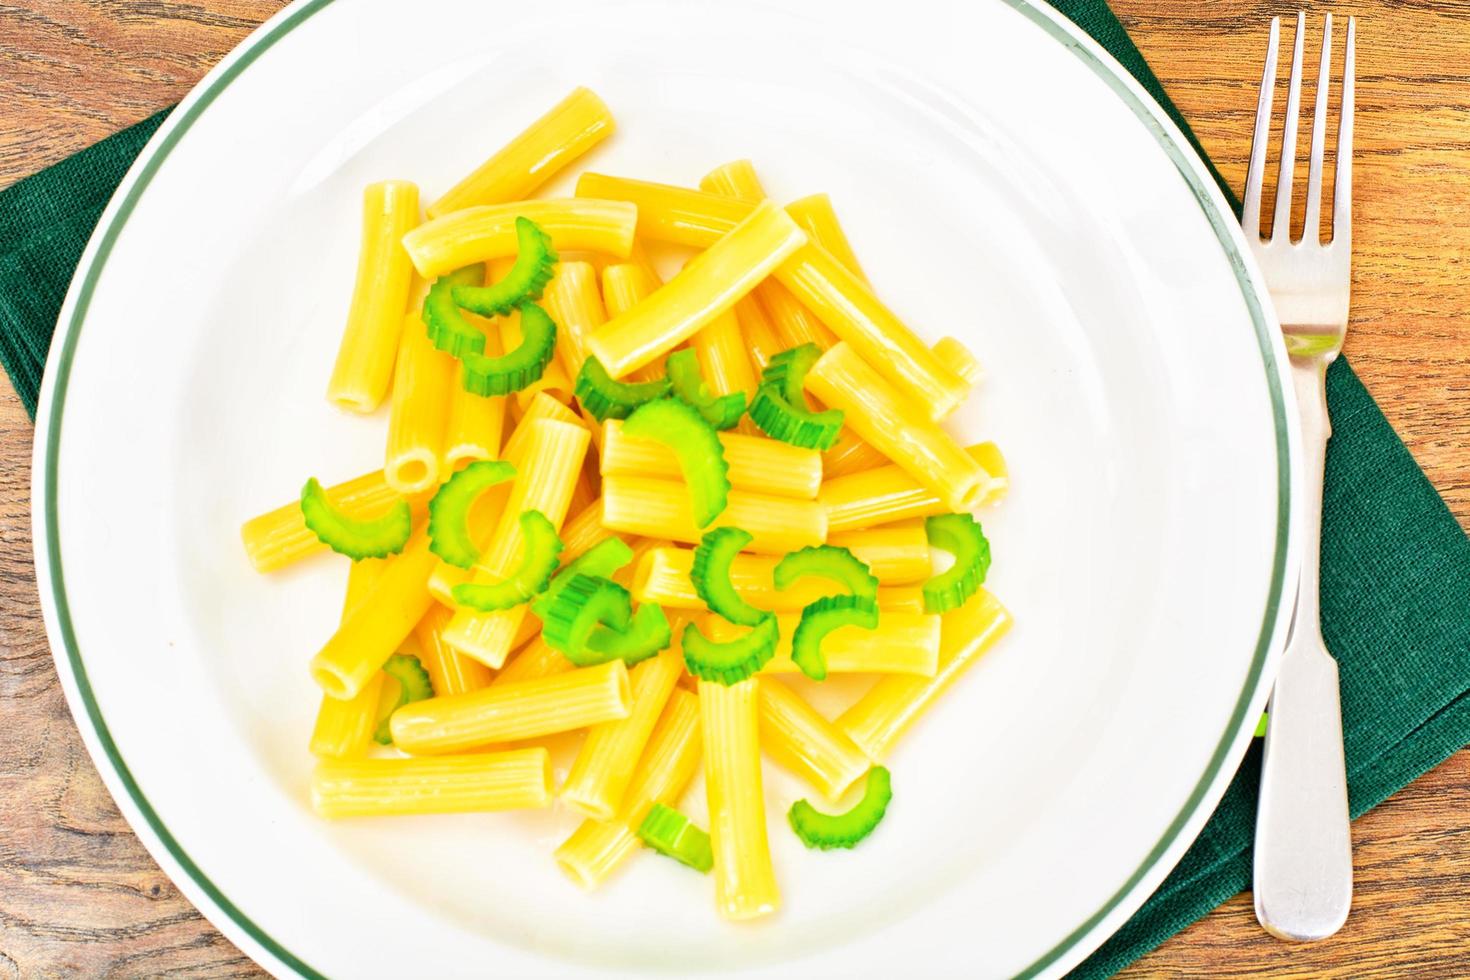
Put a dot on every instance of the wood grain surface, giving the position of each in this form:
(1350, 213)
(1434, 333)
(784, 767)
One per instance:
(80, 897)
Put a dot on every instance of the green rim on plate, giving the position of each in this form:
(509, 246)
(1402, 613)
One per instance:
(59, 366)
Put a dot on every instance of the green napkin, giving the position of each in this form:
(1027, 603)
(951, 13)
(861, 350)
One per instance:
(1395, 564)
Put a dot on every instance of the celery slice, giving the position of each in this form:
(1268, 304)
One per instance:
(413, 685)
(733, 661)
(780, 408)
(377, 538)
(961, 536)
(538, 561)
(449, 510)
(606, 399)
(720, 411)
(830, 562)
(696, 445)
(710, 575)
(448, 329)
(672, 834)
(822, 617)
(514, 370)
(535, 265)
(601, 560)
(828, 831)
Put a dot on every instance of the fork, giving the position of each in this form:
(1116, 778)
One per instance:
(1303, 878)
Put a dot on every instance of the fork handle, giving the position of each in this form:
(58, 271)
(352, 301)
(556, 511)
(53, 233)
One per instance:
(1303, 849)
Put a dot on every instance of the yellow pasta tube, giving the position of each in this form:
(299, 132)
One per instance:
(372, 632)
(364, 366)
(604, 766)
(817, 217)
(343, 728)
(960, 359)
(988, 455)
(597, 848)
(554, 380)
(474, 427)
(569, 129)
(661, 509)
(662, 576)
(902, 643)
(553, 457)
(896, 555)
(800, 740)
(625, 285)
(734, 179)
(724, 360)
(533, 661)
(667, 213)
(756, 463)
(481, 234)
(449, 671)
(573, 301)
(583, 530)
(516, 780)
(794, 323)
(706, 287)
(279, 537)
(850, 454)
(888, 494)
(422, 377)
(745, 881)
(758, 331)
(880, 717)
(895, 426)
(508, 712)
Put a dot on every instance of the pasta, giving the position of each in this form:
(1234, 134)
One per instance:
(775, 468)
(669, 214)
(662, 509)
(474, 428)
(534, 660)
(420, 410)
(449, 671)
(897, 555)
(819, 220)
(889, 493)
(734, 179)
(343, 728)
(515, 780)
(480, 234)
(902, 643)
(745, 881)
(723, 359)
(507, 712)
(800, 740)
(892, 705)
(364, 364)
(574, 303)
(571, 128)
(596, 848)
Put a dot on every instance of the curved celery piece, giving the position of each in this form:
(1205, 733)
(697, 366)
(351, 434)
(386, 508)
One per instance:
(585, 602)
(827, 831)
(648, 632)
(413, 685)
(733, 661)
(607, 399)
(448, 329)
(539, 552)
(674, 835)
(780, 408)
(961, 536)
(822, 617)
(377, 538)
(514, 370)
(710, 575)
(449, 510)
(830, 562)
(601, 560)
(535, 265)
(695, 444)
(720, 411)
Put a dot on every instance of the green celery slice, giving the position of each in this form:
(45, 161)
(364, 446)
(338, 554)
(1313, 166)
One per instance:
(377, 538)
(538, 562)
(535, 265)
(710, 575)
(830, 562)
(720, 411)
(448, 329)
(828, 831)
(648, 632)
(514, 370)
(601, 560)
(605, 398)
(449, 510)
(413, 685)
(961, 536)
(780, 409)
(822, 617)
(584, 603)
(674, 835)
(733, 661)
(696, 445)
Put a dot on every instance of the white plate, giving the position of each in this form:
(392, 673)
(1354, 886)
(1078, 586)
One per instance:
(1002, 180)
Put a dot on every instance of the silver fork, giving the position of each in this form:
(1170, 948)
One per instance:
(1303, 879)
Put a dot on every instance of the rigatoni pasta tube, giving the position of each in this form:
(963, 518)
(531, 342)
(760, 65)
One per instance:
(532, 661)
(817, 217)
(896, 555)
(475, 425)
(343, 728)
(662, 509)
(604, 766)
(959, 358)
(758, 331)
(724, 360)
(422, 376)
(896, 427)
(625, 285)
(573, 301)
(373, 631)
(667, 213)
(889, 493)
(516, 780)
(745, 881)
(364, 366)
(799, 739)
(279, 537)
(569, 129)
(507, 712)
(449, 671)
(879, 718)
(755, 463)
(794, 323)
(553, 457)
(902, 643)
(706, 287)
(850, 454)
(596, 848)
(734, 179)
(481, 234)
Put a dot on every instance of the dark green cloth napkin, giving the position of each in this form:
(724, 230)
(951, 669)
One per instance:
(1395, 564)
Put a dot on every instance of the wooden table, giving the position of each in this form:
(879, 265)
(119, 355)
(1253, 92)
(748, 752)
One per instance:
(78, 894)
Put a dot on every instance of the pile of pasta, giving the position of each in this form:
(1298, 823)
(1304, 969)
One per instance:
(625, 506)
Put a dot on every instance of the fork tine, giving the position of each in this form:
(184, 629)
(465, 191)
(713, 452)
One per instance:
(1250, 212)
(1312, 228)
(1342, 192)
(1281, 223)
